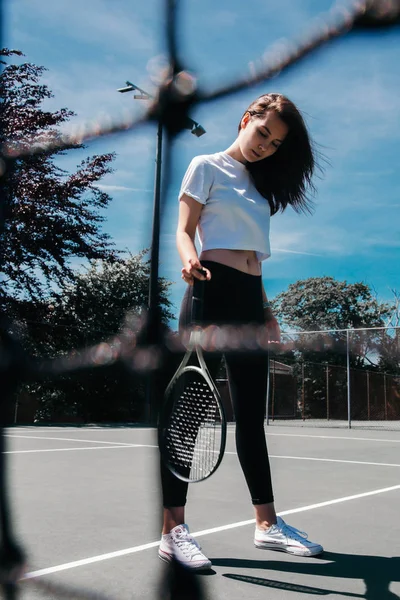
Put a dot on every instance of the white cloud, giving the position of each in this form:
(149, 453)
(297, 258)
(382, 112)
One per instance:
(120, 188)
(349, 92)
(285, 250)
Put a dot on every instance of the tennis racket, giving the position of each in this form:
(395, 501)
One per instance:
(192, 426)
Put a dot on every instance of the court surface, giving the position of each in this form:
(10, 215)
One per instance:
(86, 505)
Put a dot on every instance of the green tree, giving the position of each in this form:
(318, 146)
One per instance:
(51, 215)
(320, 303)
(389, 359)
(98, 300)
(95, 308)
(325, 305)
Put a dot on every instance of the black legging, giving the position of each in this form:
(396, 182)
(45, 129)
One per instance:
(235, 298)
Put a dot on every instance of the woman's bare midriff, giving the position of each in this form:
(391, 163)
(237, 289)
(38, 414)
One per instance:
(243, 260)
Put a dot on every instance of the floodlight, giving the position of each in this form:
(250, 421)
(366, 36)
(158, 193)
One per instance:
(128, 88)
(194, 127)
(197, 129)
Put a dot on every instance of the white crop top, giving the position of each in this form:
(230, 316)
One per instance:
(235, 216)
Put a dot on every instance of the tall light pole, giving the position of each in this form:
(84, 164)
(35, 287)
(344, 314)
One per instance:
(153, 304)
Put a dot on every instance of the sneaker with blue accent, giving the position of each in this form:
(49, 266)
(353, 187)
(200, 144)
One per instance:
(285, 538)
(179, 544)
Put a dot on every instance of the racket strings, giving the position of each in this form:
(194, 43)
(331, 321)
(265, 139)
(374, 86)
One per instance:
(194, 429)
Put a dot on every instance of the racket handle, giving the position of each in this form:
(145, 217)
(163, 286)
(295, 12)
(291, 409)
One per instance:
(197, 301)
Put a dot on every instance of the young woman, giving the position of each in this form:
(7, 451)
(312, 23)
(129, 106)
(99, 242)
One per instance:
(229, 197)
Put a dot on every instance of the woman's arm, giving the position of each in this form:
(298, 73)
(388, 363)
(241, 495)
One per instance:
(189, 215)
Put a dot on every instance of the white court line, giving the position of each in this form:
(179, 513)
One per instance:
(336, 460)
(333, 437)
(63, 439)
(85, 429)
(325, 437)
(134, 549)
(227, 452)
(230, 429)
(73, 449)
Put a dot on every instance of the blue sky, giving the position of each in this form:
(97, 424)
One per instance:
(349, 93)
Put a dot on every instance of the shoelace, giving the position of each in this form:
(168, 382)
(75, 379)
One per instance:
(293, 533)
(187, 543)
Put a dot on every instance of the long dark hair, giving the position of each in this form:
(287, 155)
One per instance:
(285, 177)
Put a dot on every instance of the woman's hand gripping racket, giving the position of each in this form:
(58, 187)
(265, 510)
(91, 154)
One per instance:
(192, 427)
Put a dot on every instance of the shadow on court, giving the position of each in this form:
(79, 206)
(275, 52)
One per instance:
(180, 583)
(376, 572)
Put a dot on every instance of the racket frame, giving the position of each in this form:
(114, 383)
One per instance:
(193, 347)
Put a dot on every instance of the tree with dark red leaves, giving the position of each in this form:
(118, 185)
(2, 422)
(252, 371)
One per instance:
(50, 215)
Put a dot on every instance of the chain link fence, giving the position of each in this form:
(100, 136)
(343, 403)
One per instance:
(337, 378)
(113, 394)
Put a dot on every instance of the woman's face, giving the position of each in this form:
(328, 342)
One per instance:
(261, 137)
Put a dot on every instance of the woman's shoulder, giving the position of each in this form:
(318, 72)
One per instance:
(207, 159)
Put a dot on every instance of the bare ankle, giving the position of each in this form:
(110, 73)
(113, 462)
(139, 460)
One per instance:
(263, 525)
(265, 515)
(173, 516)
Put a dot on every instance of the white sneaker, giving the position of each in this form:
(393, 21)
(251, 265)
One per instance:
(287, 539)
(179, 544)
